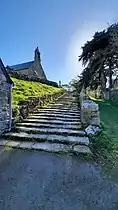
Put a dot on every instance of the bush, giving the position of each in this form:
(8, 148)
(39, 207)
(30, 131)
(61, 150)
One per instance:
(23, 102)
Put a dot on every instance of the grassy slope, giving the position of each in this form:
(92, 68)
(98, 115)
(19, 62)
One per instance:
(109, 118)
(24, 89)
(106, 144)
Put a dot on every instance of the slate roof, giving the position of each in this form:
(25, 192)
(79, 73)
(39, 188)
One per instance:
(2, 67)
(22, 66)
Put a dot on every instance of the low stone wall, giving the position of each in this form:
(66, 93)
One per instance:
(4, 115)
(33, 104)
(4, 103)
(89, 111)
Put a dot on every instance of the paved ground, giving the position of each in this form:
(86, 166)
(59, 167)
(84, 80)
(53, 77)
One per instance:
(34, 180)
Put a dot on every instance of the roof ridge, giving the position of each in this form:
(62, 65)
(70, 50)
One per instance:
(21, 65)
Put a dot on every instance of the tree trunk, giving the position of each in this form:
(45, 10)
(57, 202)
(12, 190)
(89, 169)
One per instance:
(103, 87)
(106, 95)
(110, 78)
(95, 93)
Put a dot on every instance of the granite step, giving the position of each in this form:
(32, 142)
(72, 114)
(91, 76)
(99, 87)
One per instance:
(41, 125)
(52, 138)
(61, 122)
(47, 147)
(54, 118)
(61, 109)
(56, 115)
(67, 99)
(57, 131)
(70, 107)
(63, 101)
(64, 104)
(41, 111)
(60, 102)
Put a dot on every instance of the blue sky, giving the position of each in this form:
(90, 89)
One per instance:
(58, 27)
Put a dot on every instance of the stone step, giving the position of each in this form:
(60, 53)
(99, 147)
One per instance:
(63, 101)
(56, 128)
(57, 112)
(61, 122)
(23, 136)
(64, 104)
(71, 107)
(68, 98)
(54, 118)
(63, 109)
(40, 125)
(56, 115)
(57, 131)
(47, 147)
(67, 102)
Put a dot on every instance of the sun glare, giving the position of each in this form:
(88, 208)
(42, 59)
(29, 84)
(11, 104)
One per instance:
(73, 67)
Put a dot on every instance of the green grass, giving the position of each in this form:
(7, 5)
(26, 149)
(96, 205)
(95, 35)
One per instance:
(105, 145)
(24, 89)
(109, 117)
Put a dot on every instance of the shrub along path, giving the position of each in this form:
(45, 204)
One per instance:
(56, 128)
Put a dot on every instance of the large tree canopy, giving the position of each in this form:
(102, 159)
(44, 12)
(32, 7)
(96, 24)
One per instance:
(99, 41)
(100, 57)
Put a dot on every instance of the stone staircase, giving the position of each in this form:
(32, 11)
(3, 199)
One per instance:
(56, 128)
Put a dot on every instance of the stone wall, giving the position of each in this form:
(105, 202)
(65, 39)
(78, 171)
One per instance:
(28, 72)
(34, 71)
(89, 111)
(37, 67)
(4, 103)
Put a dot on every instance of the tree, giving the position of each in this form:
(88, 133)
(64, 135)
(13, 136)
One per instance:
(99, 57)
(77, 84)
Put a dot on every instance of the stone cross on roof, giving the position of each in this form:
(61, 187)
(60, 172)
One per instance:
(37, 54)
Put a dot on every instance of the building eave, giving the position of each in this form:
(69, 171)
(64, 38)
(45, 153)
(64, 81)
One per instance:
(2, 67)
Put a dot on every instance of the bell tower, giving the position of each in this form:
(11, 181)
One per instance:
(37, 55)
(37, 65)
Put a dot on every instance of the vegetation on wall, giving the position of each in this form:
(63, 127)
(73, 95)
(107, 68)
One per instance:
(24, 89)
